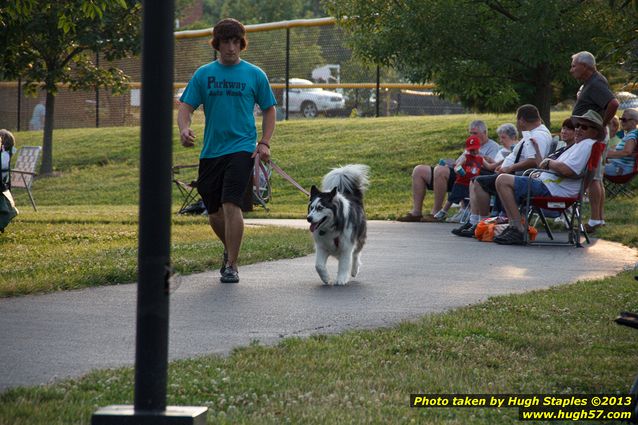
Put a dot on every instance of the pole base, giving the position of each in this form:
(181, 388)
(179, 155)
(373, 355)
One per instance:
(127, 415)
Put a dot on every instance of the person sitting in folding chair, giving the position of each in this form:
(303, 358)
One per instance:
(562, 182)
(621, 159)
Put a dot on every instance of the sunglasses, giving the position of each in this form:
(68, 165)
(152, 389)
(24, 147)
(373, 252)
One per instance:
(623, 119)
(585, 127)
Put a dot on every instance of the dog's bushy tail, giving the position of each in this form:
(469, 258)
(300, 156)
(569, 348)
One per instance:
(350, 179)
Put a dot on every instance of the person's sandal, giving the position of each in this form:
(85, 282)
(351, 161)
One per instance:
(409, 218)
(430, 218)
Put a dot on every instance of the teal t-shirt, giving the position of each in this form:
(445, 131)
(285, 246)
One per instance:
(229, 94)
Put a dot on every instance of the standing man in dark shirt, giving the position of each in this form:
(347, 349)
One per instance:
(596, 95)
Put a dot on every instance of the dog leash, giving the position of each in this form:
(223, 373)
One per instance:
(279, 171)
(283, 174)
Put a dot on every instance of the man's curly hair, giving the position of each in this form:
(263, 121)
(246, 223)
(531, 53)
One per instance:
(228, 29)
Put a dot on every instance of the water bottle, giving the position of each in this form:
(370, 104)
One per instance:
(459, 170)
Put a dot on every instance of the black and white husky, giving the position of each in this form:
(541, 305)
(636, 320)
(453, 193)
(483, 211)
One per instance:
(338, 221)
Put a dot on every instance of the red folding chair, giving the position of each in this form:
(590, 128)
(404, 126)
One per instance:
(568, 207)
(621, 185)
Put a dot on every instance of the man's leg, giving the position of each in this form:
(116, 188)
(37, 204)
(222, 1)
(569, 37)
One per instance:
(505, 189)
(481, 201)
(233, 231)
(440, 186)
(479, 204)
(596, 202)
(216, 221)
(421, 176)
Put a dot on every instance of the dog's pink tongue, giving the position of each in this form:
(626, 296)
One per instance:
(313, 227)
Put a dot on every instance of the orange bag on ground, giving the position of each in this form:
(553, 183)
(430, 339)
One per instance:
(488, 228)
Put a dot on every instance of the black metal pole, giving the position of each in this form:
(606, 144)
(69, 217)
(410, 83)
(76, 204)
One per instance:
(155, 206)
(97, 93)
(378, 89)
(151, 343)
(287, 70)
(19, 100)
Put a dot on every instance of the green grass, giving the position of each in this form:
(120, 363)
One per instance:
(85, 233)
(560, 340)
(91, 203)
(77, 246)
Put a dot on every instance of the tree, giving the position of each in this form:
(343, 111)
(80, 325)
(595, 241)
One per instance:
(493, 55)
(50, 43)
(622, 48)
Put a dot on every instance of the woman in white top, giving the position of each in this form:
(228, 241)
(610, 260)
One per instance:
(508, 136)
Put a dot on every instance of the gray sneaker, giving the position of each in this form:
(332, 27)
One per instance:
(440, 215)
(230, 275)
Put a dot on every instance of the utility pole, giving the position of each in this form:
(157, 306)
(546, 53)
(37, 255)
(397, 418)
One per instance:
(154, 268)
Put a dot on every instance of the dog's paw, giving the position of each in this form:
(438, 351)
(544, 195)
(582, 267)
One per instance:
(323, 275)
(355, 270)
(341, 281)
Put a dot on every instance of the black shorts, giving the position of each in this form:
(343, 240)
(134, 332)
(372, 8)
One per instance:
(488, 183)
(450, 180)
(224, 179)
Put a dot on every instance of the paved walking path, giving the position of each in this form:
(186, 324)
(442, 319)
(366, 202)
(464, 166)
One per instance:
(409, 269)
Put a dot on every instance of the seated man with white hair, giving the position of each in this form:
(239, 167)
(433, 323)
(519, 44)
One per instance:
(440, 179)
(561, 182)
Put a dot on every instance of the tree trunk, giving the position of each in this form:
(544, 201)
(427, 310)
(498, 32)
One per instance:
(47, 144)
(543, 94)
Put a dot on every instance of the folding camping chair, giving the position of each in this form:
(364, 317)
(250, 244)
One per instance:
(187, 188)
(23, 172)
(621, 185)
(568, 207)
(261, 187)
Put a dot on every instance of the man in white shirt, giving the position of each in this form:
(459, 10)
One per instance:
(560, 180)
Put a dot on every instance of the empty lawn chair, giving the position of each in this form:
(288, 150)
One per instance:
(23, 172)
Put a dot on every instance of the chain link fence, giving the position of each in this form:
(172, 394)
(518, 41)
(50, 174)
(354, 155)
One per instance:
(311, 69)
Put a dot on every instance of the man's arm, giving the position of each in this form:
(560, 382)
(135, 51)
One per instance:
(627, 151)
(268, 124)
(610, 111)
(184, 119)
(557, 167)
(269, 117)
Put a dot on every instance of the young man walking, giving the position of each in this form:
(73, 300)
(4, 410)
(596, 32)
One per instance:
(228, 89)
